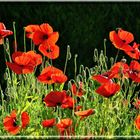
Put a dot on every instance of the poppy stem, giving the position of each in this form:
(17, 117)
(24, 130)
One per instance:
(68, 57)
(116, 56)
(75, 65)
(15, 39)
(105, 47)
(24, 40)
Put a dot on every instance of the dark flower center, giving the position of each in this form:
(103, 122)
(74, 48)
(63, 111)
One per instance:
(15, 123)
(49, 50)
(58, 104)
(44, 37)
(48, 78)
(133, 51)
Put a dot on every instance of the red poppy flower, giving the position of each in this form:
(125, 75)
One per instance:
(51, 51)
(30, 29)
(59, 78)
(4, 32)
(25, 119)
(64, 126)
(134, 72)
(84, 113)
(45, 34)
(48, 123)
(119, 69)
(137, 122)
(10, 122)
(68, 102)
(101, 78)
(50, 75)
(108, 89)
(121, 39)
(24, 62)
(55, 98)
(78, 107)
(78, 91)
(134, 52)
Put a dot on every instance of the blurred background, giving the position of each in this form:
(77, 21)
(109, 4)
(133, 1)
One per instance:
(82, 25)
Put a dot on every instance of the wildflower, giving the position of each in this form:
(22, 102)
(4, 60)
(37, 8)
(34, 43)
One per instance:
(10, 122)
(24, 62)
(51, 51)
(84, 113)
(4, 32)
(78, 91)
(137, 122)
(55, 98)
(30, 30)
(119, 69)
(134, 52)
(101, 78)
(42, 33)
(50, 75)
(134, 72)
(108, 89)
(68, 102)
(121, 39)
(48, 123)
(64, 125)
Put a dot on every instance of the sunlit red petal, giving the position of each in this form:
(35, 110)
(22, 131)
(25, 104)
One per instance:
(53, 38)
(30, 29)
(59, 78)
(38, 37)
(137, 122)
(55, 98)
(51, 51)
(35, 59)
(84, 113)
(108, 89)
(68, 102)
(118, 42)
(46, 28)
(14, 67)
(25, 119)
(52, 69)
(101, 79)
(48, 123)
(2, 26)
(64, 123)
(126, 36)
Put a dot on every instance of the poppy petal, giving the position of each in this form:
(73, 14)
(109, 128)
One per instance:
(48, 123)
(30, 29)
(2, 26)
(25, 119)
(108, 89)
(38, 37)
(51, 51)
(46, 28)
(14, 67)
(126, 36)
(53, 38)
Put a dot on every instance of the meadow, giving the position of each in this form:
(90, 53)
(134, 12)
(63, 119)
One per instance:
(99, 101)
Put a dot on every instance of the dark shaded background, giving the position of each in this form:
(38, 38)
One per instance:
(82, 25)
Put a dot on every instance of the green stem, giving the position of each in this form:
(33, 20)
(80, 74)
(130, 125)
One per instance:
(24, 40)
(75, 65)
(68, 57)
(15, 39)
(117, 56)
